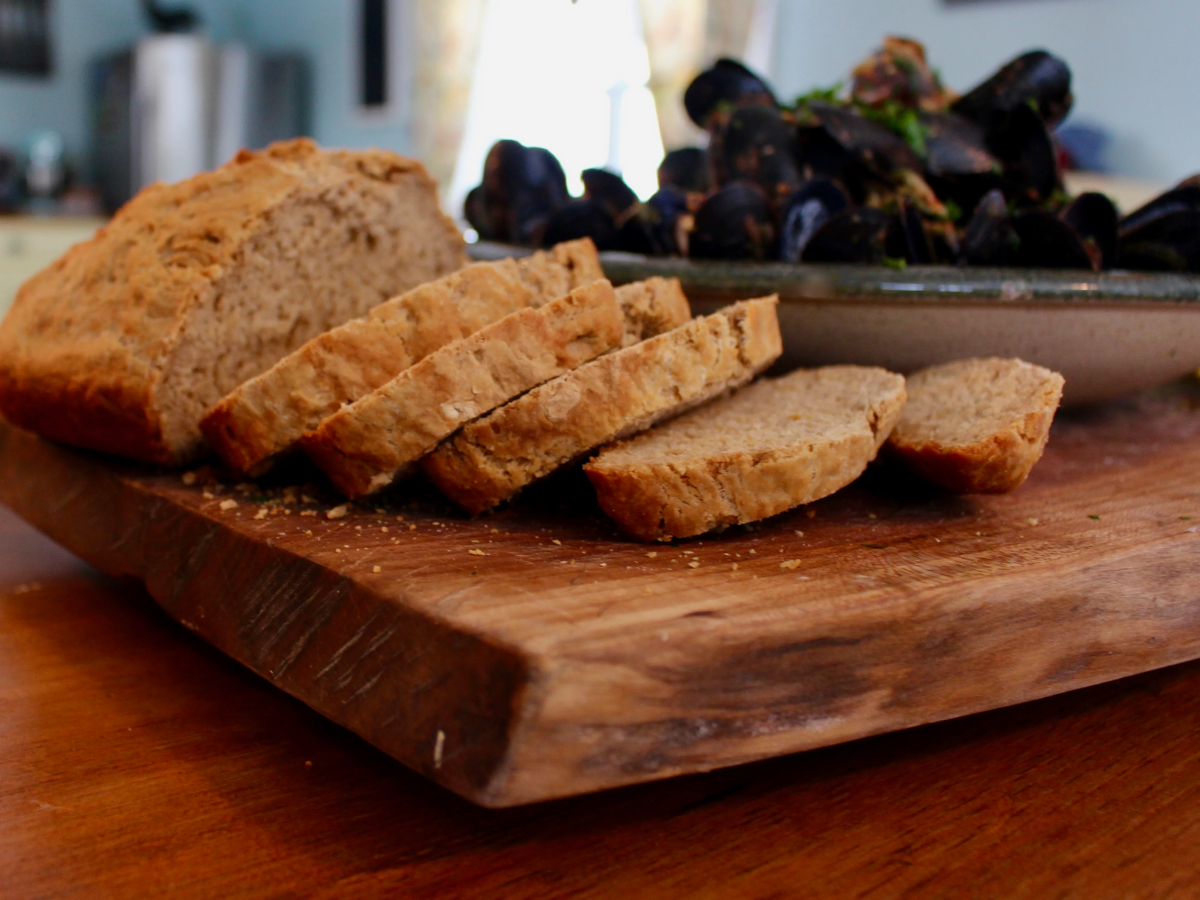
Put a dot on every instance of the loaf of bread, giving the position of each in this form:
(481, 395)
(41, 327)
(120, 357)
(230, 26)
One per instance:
(977, 425)
(363, 447)
(491, 459)
(126, 341)
(267, 415)
(771, 446)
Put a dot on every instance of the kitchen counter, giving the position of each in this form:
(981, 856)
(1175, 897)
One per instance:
(135, 761)
(29, 244)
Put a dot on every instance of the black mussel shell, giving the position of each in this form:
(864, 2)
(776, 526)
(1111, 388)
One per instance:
(989, 238)
(522, 187)
(686, 169)
(579, 219)
(610, 191)
(1047, 242)
(1163, 235)
(727, 82)
(1024, 146)
(669, 217)
(1036, 78)
(869, 142)
(757, 145)
(956, 146)
(852, 236)
(819, 155)
(816, 202)
(735, 222)
(475, 212)
(1095, 219)
(907, 238)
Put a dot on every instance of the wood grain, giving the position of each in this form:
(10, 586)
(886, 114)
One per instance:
(137, 762)
(553, 657)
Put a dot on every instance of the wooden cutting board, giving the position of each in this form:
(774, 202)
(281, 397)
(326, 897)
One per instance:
(536, 653)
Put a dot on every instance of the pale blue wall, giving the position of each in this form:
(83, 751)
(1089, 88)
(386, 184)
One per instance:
(84, 29)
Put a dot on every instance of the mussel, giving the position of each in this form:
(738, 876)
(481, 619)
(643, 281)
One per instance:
(989, 238)
(579, 219)
(686, 169)
(1163, 235)
(816, 202)
(757, 145)
(852, 236)
(735, 222)
(1034, 80)
(726, 83)
(522, 188)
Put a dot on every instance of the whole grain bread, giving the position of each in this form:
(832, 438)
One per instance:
(268, 414)
(619, 394)
(124, 342)
(977, 425)
(771, 446)
(652, 307)
(363, 447)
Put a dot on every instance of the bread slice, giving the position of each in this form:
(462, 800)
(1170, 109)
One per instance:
(977, 425)
(363, 447)
(771, 446)
(619, 394)
(267, 415)
(652, 307)
(126, 341)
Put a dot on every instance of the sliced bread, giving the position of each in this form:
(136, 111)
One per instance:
(652, 307)
(491, 459)
(363, 447)
(265, 416)
(771, 446)
(126, 341)
(977, 425)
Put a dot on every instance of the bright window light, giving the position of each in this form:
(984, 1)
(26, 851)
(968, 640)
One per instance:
(570, 77)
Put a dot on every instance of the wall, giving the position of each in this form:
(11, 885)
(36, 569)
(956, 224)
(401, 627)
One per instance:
(85, 29)
(1134, 61)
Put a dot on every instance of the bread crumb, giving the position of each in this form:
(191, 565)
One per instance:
(337, 549)
(556, 541)
(208, 495)
(752, 550)
(307, 499)
(229, 504)
(308, 512)
(399, 518)
(308, 764)
(602, 565)
(376, 569)
(477, 553)
(384, 529)
(494, 531)
(811, 513)
(790, 564)
(262, 513)
(872, 516)
(358, 528)
(694, 564)
(308, 531)
(412, 527)
(799, 534)
(652, 554)
(1032, 521)
(188, 478)
(735, 567)
(379, 510)
(337, 512)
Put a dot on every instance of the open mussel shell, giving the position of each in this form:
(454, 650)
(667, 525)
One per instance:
(1163, 235)
(989, 238)
(868, 142)
(1035, 79)
(1026, 150)
(735, 222)
(816, 202)
(852, 236)
(907, 237)
(1094, 218)
(522, 187)
(757, 145)
(686, 169)
(728, 82)
(1046, 241)
(579, 219)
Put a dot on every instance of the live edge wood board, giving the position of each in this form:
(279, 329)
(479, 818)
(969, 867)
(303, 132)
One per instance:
(536, 653)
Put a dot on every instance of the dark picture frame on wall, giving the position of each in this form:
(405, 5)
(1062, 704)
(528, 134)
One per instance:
(25, 37)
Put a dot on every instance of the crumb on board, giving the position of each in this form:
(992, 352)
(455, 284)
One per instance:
(694, 564)
(209, 495)
(652, 554)
(308, 512)
(188, 478)
(477, 553)
(799, 533)
(412, 527)
(399, 518)
(337, 512)
(811, 513)
(379, 510)
(376, 569)
(556, 541)
(308, 531)
(734, 567)
(790, 564)
(1032, 521)
(229, 504)
(262, 513)
(384, 529)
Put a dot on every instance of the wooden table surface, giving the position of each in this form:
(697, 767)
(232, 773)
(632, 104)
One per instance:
(135, 761)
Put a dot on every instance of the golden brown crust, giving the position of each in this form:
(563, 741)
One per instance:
(491, 459)
(115, 345)
(977, 426)
(363, 447)
(771, 446)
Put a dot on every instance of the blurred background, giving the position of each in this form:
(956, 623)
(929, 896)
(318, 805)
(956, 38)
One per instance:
(98, 97)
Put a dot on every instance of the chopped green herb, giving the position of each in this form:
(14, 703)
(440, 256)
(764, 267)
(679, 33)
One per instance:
(875, 546)
(820, 95)
(953, 211)
(1185, 518)
(1097, 518)
(901, 120)
(899, 263)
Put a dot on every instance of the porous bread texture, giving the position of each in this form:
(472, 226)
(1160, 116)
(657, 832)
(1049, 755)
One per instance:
(652, 307)
(365, 446)
(123, 343)
(619, 394)
(268, 414)
(771, 446)
(977, 425)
